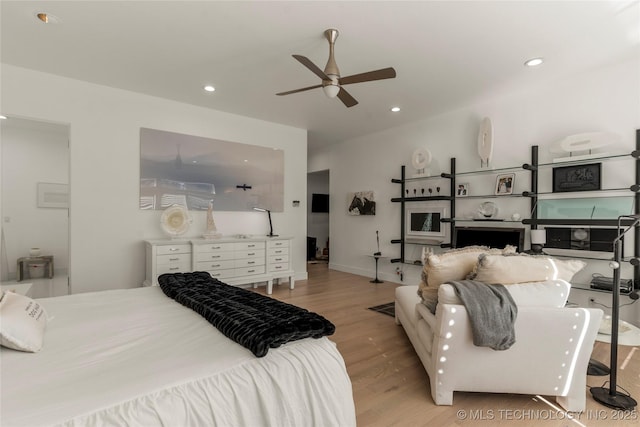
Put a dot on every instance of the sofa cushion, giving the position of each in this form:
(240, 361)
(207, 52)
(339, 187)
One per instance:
(523, 268)
(550, 293)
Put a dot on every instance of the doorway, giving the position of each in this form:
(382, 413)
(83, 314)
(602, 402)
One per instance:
(318, 202)
(34, 205)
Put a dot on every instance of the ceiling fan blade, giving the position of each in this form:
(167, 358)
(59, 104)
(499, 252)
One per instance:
(346, 98)
(298, 90)
(384, 73)
(311, 66)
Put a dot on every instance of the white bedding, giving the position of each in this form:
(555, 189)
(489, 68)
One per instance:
(135, 357)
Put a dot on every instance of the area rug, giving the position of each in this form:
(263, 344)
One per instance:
(389, 309)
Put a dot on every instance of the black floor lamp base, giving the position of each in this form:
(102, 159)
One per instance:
(376, 280)
(615, 401)
(597, 369)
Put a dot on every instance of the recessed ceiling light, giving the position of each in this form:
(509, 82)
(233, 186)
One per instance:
(395, 109)
(209, 88)
(534, 62)
(47, 18)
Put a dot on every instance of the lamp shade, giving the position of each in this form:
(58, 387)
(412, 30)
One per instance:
(331, 90)
(538, 237)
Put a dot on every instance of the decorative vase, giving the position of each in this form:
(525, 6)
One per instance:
(211, 232)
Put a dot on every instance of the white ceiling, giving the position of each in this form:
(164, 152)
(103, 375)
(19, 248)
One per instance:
(446, 54)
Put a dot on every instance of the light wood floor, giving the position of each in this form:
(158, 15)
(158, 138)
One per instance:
(390, 386)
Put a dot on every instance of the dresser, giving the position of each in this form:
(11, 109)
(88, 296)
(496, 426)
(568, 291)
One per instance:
(235, 261)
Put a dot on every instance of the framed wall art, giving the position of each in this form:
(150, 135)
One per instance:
(577, 178)
(361, 203)
(424, 222)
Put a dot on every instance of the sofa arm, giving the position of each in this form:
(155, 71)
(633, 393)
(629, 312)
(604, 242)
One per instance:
(558, 341)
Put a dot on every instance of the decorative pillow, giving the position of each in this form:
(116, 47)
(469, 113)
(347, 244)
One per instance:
(523, 268)
(455, 264)
(22, 322)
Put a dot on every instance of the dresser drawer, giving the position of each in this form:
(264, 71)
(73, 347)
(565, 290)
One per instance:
(278, 251)
(249, 262)
(215, 247)
(281, 266)
(277, 244)
(248, 271)
(173, 259)
(240, 246)
(250, 253)
(173, 249)
(214, 256)
(174, 268)
(222, 274)
(214, 265)
(275, 259)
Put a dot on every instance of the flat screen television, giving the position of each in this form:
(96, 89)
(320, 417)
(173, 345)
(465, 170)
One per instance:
(319, 202)
(494, 237)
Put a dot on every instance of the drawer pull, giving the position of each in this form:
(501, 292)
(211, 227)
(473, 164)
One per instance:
(251, 254)
(174, 268)
(215, 265)
(251, 246)
(251, 271)
(278, 267)
(215, 256)
(174, 249)
(216, 247)
(278, 252)
(251, 262)
(278, 259)
(174, 259)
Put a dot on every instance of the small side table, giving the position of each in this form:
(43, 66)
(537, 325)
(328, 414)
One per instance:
(24, 263)
(376, 257)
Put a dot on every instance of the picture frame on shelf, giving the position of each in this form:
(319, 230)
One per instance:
(577, 178)
(462, 189)
(505, 183)
(423, 222)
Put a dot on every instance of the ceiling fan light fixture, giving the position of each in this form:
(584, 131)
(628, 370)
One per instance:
(534, 62)
(331, 90)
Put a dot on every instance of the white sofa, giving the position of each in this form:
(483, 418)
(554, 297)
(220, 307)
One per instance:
(550, 356)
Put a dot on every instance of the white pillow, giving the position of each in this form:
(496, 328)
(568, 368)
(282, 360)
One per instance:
(523, 268)
(455, 264)
(22, 322)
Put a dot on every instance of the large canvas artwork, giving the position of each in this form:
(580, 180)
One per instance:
(191, 171)
(361, 203)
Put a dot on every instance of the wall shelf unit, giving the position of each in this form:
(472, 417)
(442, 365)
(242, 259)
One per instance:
(535, 196)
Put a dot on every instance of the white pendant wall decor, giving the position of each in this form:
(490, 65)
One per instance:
(420, 159)
(485, 142)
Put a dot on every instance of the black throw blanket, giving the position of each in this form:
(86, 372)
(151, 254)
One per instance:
(252, 320)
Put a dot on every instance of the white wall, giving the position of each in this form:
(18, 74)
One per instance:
(318, 222)
(30, 156)
(107, 228)
(606, 99)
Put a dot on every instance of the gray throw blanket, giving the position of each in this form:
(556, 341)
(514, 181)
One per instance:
(492, 313)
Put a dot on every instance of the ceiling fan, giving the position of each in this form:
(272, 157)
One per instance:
(332, 83)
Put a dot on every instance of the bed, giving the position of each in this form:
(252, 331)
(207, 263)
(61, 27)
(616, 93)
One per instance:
(137, 357)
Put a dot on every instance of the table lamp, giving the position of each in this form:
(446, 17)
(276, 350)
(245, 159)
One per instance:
(270, 224)
(538, 240)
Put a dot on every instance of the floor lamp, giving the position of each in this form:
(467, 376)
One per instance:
(610, 396)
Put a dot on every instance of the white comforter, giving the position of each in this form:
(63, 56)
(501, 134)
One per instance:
(135, 357)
